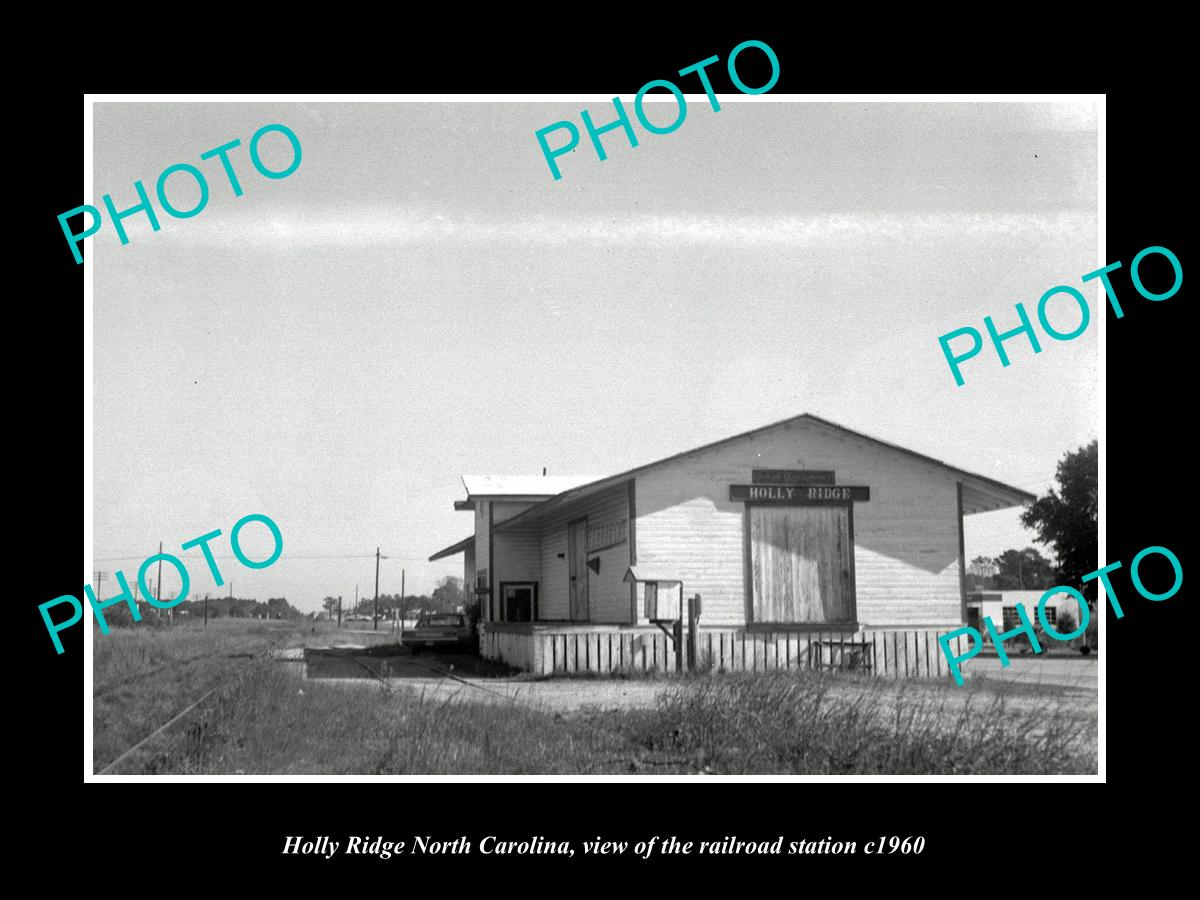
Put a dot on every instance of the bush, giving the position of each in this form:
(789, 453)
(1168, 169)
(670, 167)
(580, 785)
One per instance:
(1066, 623)
(473, 612)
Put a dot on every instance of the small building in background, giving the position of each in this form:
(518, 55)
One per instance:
(1001, 608)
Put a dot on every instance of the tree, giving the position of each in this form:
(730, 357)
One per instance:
(982, 570)
(330, 604)
(450, 594)
(1066, 519)
(1023, 570)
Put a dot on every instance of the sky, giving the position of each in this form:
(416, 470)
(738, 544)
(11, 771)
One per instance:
(421, 299)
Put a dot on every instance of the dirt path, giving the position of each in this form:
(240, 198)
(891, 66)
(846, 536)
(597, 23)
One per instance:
(554, 696)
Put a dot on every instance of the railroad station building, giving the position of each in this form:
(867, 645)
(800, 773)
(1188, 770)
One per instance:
(808, 544)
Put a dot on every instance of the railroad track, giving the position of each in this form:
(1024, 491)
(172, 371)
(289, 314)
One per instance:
(107, 769)
(436, 670)
(638, 757)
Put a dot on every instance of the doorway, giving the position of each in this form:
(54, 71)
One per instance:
(802, 564)
(577, 567)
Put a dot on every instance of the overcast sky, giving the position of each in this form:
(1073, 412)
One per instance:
(422, 299)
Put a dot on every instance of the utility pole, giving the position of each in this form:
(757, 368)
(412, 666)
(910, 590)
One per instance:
(206, 610)
(339, 610)
(158, 590)
(403, 605)
(356, 599)
(376, 588)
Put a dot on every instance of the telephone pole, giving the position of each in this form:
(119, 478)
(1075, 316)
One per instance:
(158, 590)
(339, 610)
(376, 625)
(206, 610)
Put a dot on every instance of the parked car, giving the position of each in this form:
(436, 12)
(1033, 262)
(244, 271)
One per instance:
(433, 630)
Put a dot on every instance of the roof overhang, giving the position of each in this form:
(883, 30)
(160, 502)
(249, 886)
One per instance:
(981, 494)
(520, 487)
(453, 549)
(632, 574)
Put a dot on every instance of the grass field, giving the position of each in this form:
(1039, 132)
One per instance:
(263, 719)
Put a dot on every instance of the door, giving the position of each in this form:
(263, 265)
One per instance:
(801, 560)
(577, 566)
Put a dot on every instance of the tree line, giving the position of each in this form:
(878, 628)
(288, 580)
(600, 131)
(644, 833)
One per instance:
(449, 596)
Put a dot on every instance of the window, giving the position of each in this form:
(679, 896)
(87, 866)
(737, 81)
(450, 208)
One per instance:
(518, 601)
(444, 620)
(1010, 619)
(1051, 615)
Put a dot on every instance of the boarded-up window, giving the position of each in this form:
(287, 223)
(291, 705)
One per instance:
(801, 558)
(606, 534)
(651, 605)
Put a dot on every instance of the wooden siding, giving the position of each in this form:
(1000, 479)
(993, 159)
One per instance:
(484, 547)
(906, 550)
(518, 555)
(608, 594)
(550, 650)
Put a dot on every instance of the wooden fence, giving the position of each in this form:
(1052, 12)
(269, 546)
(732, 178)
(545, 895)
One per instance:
(886, 652)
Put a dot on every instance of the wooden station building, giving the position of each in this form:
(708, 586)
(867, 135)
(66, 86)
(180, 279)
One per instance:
(808, 543)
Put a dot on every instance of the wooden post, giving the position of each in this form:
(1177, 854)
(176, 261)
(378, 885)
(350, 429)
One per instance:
(693, 642)
(677, 639)
(206, 610)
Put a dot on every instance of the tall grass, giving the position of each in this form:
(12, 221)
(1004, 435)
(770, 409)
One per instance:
(826, 724)
(266, 720)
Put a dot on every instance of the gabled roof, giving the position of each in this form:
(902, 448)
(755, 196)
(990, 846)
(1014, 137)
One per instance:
(980, 493)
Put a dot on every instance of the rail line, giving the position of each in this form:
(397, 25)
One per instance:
(639, 757)
(111, 765)
(443, 673)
